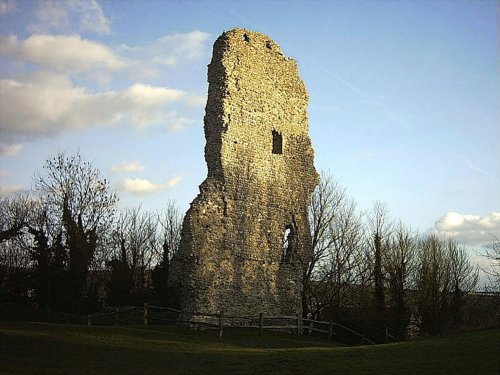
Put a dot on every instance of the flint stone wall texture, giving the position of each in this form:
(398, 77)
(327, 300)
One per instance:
(234, 254)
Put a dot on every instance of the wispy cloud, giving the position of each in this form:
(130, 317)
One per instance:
(475, 168)
(128, 167)
(372, 100)
(144, 186)
(64, 16)
(8, 6)
(11, 149)
(172, 49)
(469, 229)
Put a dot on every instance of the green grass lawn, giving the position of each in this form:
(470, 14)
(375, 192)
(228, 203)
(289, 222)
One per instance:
(42, 348)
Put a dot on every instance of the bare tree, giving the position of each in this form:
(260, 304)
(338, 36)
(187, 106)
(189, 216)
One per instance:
(15, 214)
(445, 276)
(336, 232)
(170, 232)
(143, 245)
(338, 270)
(399, 264)
(75, 195)
(432, 283)
(325, 200)
(15, 258)
(492, 254)
(364, 271)
(169, 239)
(463, 280)
(134, 242)
(380, 229)
(38, 241)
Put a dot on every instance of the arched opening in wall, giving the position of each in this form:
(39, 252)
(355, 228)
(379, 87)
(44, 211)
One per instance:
(289, 242)
(277, 143)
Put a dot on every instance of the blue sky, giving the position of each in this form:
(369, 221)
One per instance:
(403, 97)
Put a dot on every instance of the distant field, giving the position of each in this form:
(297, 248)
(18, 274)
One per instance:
(42, 348)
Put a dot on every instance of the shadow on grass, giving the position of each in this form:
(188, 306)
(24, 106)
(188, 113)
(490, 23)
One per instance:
(38, 348)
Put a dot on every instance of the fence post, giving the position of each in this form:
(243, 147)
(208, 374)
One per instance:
(116, 316)
(145, 313)
(89, 317)
(299, 320)
(261, 324)
(330, 332)
(221, 323)
(311, 326)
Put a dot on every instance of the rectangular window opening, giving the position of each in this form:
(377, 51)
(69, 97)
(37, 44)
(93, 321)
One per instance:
(277, 143)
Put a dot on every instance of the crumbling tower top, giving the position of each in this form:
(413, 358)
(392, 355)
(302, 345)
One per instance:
(253, 90)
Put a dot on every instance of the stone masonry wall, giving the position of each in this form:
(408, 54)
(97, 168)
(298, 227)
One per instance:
(245, 238)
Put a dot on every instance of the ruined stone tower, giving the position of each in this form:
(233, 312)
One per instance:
(245, 238)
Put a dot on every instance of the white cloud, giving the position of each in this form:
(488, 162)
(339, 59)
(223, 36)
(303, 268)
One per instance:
(63, 53)
(71, 54)
(171, 48)
(8, 6)
(13, 149)
(128, 166)
(143, 186)
(190, 45)
(170, 51)
(85, 15)
(5, 173)
(47, 104)
(46, 101)
(150, 96)
(10, 189)
(469, 229)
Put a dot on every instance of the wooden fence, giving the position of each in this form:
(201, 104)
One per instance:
(148, 315)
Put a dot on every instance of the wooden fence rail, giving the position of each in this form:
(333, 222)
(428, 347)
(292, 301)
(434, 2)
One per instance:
(220, 321)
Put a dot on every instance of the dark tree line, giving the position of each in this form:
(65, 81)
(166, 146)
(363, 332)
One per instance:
(64, 246)
(367, 269)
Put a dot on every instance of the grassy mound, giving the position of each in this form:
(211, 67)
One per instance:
(42, 348)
